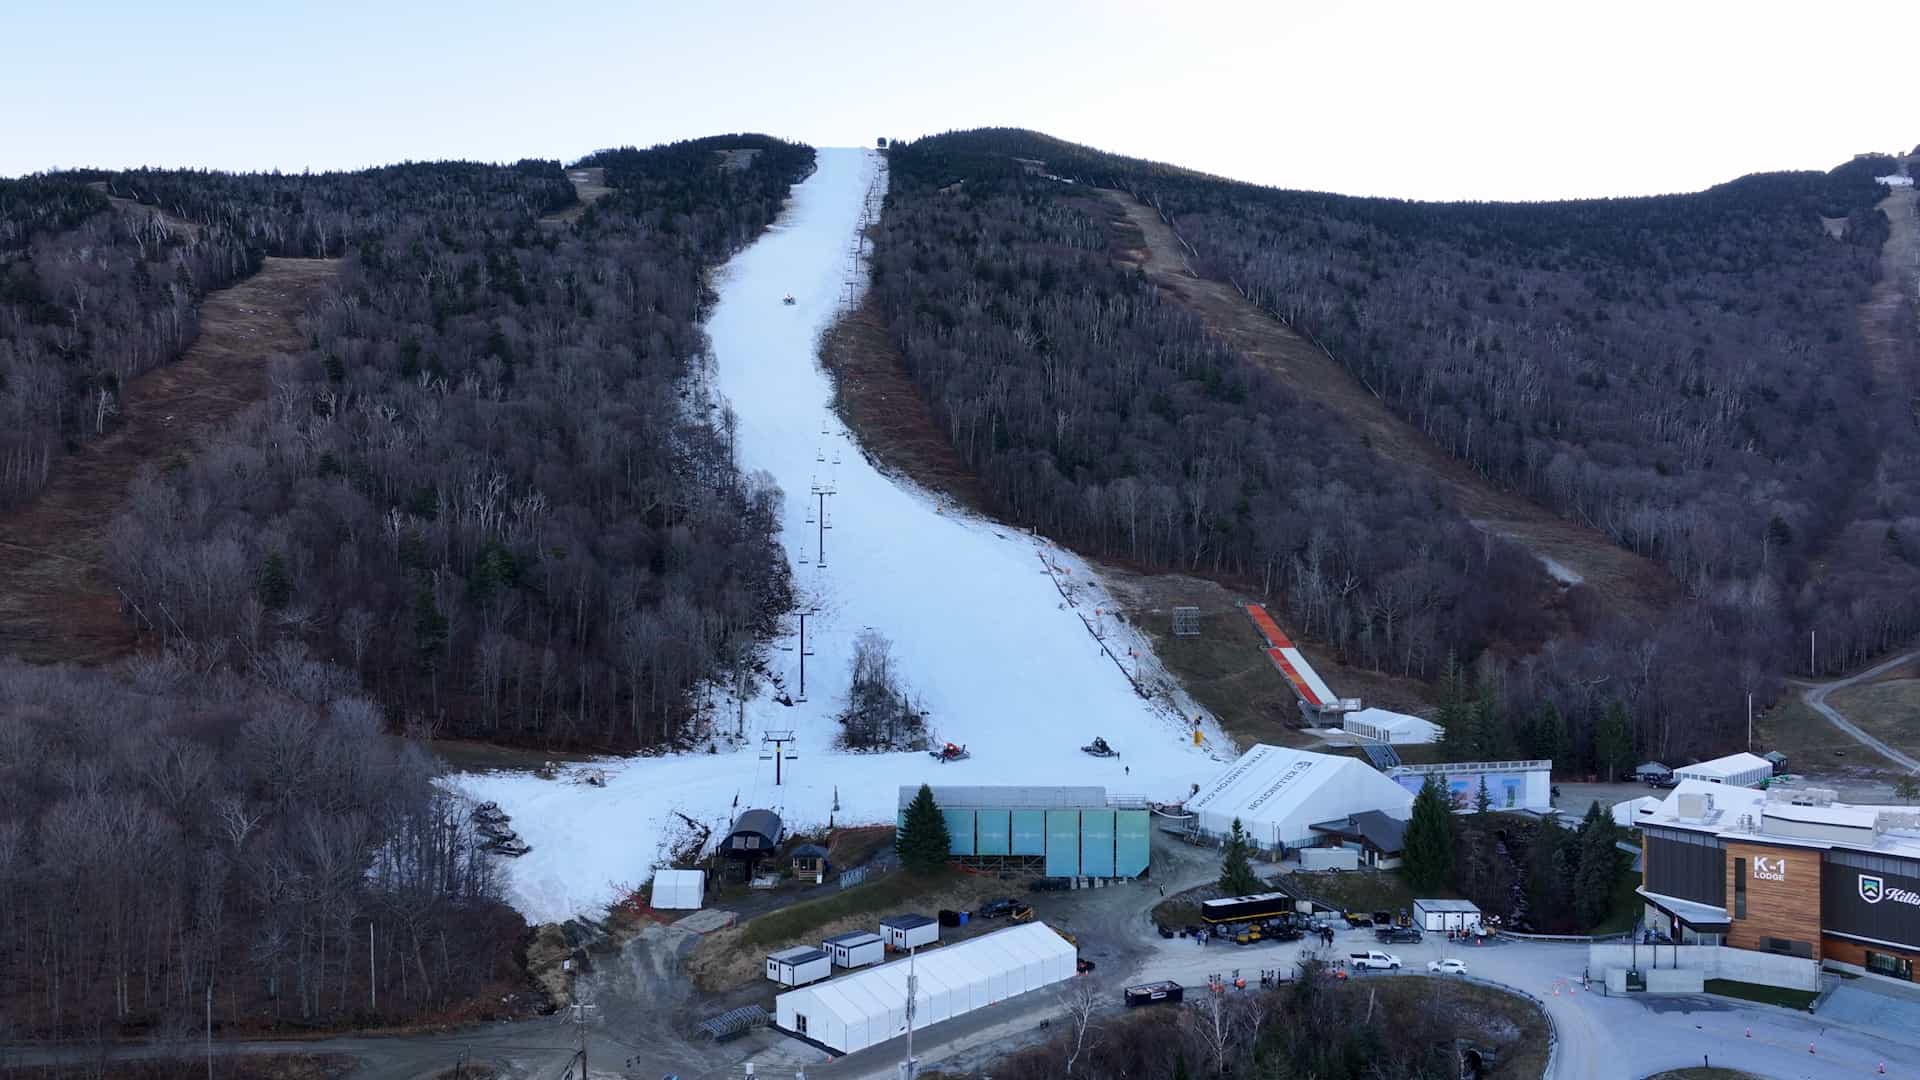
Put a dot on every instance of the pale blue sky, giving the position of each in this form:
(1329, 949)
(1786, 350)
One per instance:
(1537, 99)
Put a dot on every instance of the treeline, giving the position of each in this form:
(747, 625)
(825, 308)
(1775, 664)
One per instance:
(488, 487)
(169, 833)
(1314, 1026)
(1098, 410)
(90, 296)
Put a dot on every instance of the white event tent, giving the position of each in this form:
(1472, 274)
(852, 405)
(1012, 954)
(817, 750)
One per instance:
(1279, 793)
(863, 1008)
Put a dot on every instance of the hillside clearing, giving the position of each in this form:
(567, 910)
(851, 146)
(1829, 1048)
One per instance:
(57, 603)
(1635, 584)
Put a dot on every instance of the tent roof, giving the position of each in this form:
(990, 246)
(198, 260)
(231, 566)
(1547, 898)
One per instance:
(1271, 783)
(1392, 721)
(857, 995)
(1731, 765)
(669, 876)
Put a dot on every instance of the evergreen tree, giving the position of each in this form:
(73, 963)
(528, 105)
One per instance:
(924, 843)
(1236, 867)
(1481, 799)
(429, 627)
(1613, 741)
(1428, 858)
(274, 586)
(1550, 739)
(1549, 885)
(1599, 869)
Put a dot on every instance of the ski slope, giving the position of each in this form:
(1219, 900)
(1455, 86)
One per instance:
(1010, 643)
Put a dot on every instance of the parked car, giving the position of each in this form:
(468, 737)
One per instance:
(993, 909)
(1449, 966)
(1398, 935)
(1373, 959)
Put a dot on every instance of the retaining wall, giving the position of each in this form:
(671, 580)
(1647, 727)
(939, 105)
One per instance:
(1711, 961)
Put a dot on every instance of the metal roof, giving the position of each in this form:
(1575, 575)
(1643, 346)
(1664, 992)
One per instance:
(799, 954)
(857, 937)
(905, 922)
(1009, 797)
(764, 822)
(809, 851)
(1447, 905)
(1386, 833)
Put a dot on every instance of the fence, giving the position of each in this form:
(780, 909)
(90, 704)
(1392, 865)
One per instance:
(1553, 1029)
(1713, 962)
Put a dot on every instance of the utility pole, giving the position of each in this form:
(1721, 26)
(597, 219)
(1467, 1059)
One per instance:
(779, 739)
(373, 981)
(1749, 721)
(910, 1068)
(209, 1025)
(582, 1011)
(1812, 665)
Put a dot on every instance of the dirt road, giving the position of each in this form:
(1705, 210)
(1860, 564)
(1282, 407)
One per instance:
(56, 601)
(1816, 699)
(1571, 551)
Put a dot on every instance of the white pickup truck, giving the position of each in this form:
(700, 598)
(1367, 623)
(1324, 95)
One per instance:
(1372, 960)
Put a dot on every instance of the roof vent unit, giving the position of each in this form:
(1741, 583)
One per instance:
(1890, 820)
(1692, 807)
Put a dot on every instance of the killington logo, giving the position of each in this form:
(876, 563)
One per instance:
(1874, 889)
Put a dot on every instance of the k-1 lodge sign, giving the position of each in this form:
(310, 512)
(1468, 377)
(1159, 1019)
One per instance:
(1770, 869)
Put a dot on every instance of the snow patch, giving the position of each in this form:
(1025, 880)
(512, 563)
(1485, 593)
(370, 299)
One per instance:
(1013, 645)
(1896, 180)
(1561, 573)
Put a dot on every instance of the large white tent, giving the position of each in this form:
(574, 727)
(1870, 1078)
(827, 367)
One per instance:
(868, 1007)
(1279, 793)
(1735, 770)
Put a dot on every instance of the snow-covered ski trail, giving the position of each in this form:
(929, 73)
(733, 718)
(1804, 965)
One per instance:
(999, 645)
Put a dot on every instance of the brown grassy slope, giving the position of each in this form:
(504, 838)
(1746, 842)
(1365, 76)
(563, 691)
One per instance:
(56, 602)
(1635, 584)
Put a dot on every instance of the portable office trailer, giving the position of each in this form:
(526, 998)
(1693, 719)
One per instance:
(1329, 858)
(858, 949)
(798, 966)
(1439, 916)
(908, 931)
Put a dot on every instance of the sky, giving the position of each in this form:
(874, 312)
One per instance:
(1496, 100)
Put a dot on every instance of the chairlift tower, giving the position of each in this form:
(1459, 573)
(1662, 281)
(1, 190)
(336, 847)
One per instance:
(780, 753)
(820, 492)
(802, 649)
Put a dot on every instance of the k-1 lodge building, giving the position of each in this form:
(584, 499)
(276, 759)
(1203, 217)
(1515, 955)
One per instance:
(1788, 871)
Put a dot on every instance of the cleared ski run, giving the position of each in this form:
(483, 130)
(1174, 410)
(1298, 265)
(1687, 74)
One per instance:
(993, 630)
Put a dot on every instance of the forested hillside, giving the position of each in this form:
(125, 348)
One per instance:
(170, 836)
(1100, 412)
(90, 296)
(1686, 373)
(485, 487)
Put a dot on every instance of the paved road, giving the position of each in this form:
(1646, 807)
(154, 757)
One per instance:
(1816, 699)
